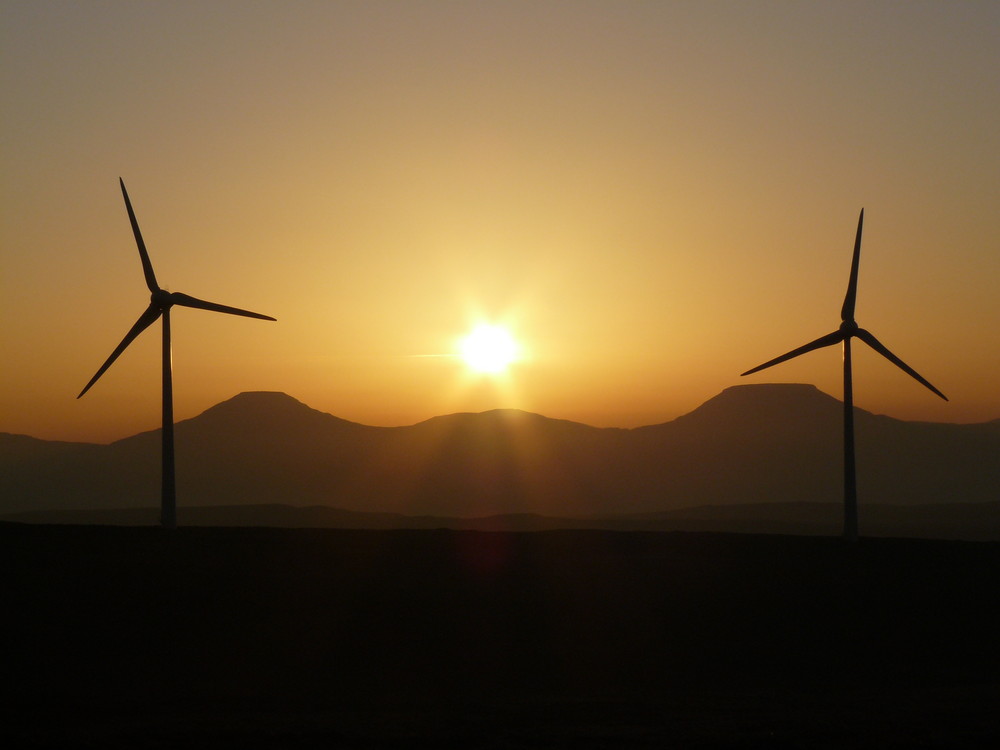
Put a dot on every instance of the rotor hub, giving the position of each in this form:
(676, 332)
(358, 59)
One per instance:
(161, 298)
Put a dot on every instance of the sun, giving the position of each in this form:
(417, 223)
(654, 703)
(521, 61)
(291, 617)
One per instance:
(488, 349)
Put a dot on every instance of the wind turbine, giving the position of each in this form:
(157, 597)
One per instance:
(849, 329)
(159, 306)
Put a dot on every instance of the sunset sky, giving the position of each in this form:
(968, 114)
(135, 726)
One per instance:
(651, 197)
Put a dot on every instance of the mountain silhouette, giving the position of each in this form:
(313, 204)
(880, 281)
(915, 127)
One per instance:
(751, 444)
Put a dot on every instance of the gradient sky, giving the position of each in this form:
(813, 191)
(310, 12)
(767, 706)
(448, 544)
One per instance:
(653, 196)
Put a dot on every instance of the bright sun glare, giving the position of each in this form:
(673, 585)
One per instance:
(488, 349)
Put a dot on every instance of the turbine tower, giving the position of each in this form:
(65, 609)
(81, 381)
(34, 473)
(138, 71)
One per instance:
(849, 329)
(159, 306)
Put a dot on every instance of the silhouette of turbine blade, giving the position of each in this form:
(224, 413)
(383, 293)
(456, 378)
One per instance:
(878, 346)
(185, 300)
(147, 267)
(145, 321)
(829, 340)
(847, 311)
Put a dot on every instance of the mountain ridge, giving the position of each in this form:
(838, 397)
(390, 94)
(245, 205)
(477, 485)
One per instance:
(748, 444)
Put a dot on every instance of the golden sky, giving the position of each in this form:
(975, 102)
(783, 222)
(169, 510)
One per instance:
(653, 197)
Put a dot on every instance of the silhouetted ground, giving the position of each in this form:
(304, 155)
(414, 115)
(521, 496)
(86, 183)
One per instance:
(974, 522)
(125, 637)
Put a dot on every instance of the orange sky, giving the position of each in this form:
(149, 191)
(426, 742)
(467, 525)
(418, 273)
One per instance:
(653, 196)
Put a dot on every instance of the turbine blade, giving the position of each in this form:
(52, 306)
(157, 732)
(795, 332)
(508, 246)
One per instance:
(829, 340)
(847, 311)
(185, 300)
(878, 346)
(145, 321)
(147, 267)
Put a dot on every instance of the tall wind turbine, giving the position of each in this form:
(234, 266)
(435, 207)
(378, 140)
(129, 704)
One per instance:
(159, 306)
(848, 330)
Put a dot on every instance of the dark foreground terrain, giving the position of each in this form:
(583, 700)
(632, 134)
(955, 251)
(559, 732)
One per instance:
(213, 637)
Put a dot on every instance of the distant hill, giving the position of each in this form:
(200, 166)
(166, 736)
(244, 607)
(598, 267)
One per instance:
(753, 444)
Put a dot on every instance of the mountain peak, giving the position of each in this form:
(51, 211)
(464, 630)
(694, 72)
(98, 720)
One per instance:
(773, 392)
(267, 407)
(763, 403)
(502, 419)
(258, 398)
(490, 415)
(257, 401)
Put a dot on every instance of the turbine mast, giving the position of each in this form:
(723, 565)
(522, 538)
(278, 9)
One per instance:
(168, 491)
(850, 478)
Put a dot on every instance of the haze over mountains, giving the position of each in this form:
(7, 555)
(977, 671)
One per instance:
(753, 444)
